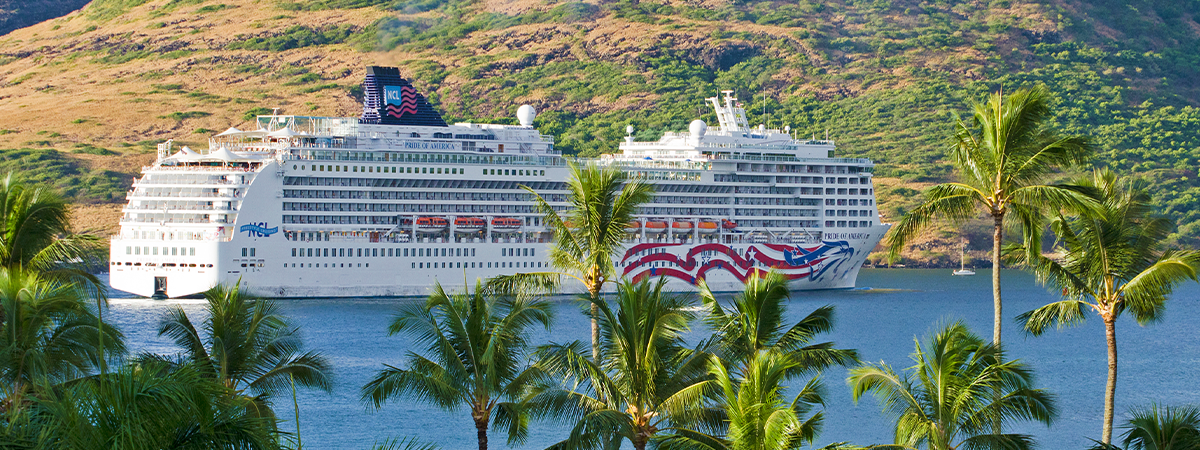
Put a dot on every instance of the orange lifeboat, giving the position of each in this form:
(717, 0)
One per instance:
(728, 224)
(707, 227)
(681, 226)
(506, 225)
(633, 227)
(656, 227)
(432, 224)
(469, 224)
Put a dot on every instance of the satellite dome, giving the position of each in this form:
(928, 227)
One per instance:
(628, 129)
(525, 115)
(698, 127)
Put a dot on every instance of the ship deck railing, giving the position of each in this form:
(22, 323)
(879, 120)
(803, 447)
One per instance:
(200, 168)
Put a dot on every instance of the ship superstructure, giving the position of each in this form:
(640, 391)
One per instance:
(391, 202)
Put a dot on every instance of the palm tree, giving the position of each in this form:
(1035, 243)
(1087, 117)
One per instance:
(645, 380)
(249, 346)
(1002, 155)
(759, 417)
(754, 324)
(475, 357)
(36, 234)
(48, 334)
(146, 406)
(603, 202)
(1163, 428)
(955, 393)
(1110, 261)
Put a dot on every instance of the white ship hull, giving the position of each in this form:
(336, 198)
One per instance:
(273, 272)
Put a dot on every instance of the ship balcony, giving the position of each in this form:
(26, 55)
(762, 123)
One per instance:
(182, 209)
(218, 169)
(196, 221)
(177, 196)
(187, 183)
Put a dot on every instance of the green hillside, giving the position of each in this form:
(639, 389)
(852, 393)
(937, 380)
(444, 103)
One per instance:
(881, 77)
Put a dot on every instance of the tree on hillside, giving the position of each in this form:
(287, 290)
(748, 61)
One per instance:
(1109, 261)
(1002, 156)
(248, 345)
(588, 234)
(645, 381)
(957, 390)
(476, 344)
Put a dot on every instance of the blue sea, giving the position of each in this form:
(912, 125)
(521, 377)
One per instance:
(1158, 363)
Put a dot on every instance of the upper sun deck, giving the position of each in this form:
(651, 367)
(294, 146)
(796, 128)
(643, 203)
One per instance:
(732, 138)
(282, 132)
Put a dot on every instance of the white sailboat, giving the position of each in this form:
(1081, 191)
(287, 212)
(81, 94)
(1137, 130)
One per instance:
(963, 270)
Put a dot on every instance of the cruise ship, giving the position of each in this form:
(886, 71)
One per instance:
(391, 202)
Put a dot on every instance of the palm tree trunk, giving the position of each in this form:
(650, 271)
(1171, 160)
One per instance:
(481, 432)
(594, 291)
(1110, 389)
(997, 240)
(997, 306)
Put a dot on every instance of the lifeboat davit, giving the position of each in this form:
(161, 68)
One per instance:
(681, 226)
(506, 225)
(633, 227)
(432, 224)
(656, 227)
(729, 225)
(707, 227)
(469, 224)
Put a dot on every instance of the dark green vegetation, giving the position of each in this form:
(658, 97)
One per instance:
(74, 180)
(214, 395)
(16, 14)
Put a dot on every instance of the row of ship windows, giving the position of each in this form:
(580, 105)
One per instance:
(428, 265)
(392, 220)
(734, 178)
(419, 170)
(417, 208)
(150, 264)
(778, 201)
(795, 168)
(539, 186)
(849, 202)
(409, 157)
(850, 224)
(851, 213)
(166, 251)
(423, 183)
(309, 236)
(402, 252)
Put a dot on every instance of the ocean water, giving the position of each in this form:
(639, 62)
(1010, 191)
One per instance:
(1158, 363)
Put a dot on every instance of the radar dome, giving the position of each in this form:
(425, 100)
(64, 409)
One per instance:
(525, 114)
(698, 127)
(628, 129)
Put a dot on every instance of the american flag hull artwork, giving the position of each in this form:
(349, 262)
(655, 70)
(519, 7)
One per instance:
(826, 265)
